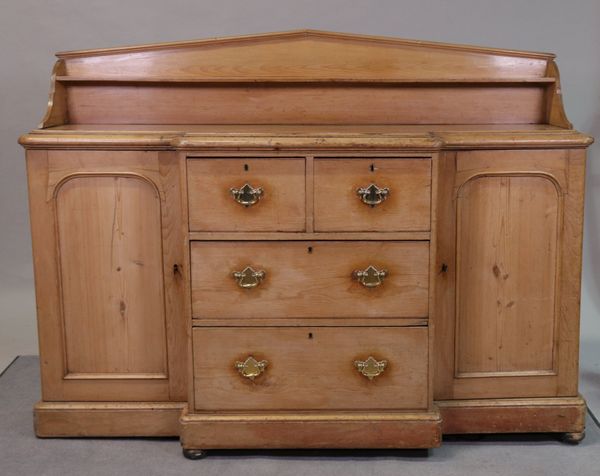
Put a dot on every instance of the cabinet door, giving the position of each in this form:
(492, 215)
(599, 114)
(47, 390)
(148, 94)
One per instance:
(510, 238)
(106, 234)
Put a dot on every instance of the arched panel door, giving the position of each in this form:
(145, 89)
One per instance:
(107, 237)
(509, 241)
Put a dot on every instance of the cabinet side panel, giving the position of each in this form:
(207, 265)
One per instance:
(507, 265)
(109, 231)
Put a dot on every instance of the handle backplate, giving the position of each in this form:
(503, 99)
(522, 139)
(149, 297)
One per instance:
(370, 367)
(370, 277)
(248, 277)
(246, 195)
(373, 195)
(251, 368)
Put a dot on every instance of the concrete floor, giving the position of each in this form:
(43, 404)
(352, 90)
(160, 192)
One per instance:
(21, 453)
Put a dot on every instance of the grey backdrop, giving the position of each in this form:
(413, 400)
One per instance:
(31, 31)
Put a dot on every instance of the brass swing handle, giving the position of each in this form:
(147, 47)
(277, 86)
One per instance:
(251, 368)
(370, 277)
(248, 277)
(371, 367)
(247, 195)
(373, 195)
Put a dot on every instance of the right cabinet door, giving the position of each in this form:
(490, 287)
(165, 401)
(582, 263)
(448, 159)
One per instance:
(511, 243)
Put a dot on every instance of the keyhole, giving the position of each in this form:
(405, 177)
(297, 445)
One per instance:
(310, 335)
(310, 249)
(246, 168)
(372, 167)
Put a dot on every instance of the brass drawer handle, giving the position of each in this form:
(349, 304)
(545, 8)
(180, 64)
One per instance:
(248, 278)
(373, 195)
(247, 195)
(370, 277)
(251, 368)
(371, 367)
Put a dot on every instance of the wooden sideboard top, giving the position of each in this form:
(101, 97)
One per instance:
(305, 89)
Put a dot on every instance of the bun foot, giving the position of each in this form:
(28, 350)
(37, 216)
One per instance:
(194, 454)
(573, 438)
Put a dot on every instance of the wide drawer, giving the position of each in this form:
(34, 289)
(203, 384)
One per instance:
(310, 368)
(303, 279)
(246, 194)
(372, 194)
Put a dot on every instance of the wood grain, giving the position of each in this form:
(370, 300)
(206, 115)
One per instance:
(444, 275)
(56, 112)
(111, 273)
(310, 368)
(506, 275)
(570, 278)
(339, 208)
(317, 236)
(306, 54)
(309, 279)
(334, 430)
(212, 208)
(513, 415)
(334, 140)
(54, 420)
(555, 110)
(144, 103)
(174, 225)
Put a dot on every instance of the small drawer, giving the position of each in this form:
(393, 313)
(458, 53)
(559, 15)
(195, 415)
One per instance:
(372, 194)
(310, 368)
(247, 194)
(316, 279)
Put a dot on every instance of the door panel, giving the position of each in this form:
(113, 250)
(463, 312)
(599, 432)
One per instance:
(111, 272)
(506, 268)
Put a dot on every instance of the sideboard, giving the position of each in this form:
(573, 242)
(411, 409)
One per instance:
(307, 240)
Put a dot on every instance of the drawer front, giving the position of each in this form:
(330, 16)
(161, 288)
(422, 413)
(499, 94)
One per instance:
(310, 368)
(402, 186)
(213, 206)
(309, 279)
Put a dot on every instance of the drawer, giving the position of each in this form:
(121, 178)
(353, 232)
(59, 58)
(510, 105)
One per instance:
(310, 368)
(405, 196)
(309, 279)
(271, 194)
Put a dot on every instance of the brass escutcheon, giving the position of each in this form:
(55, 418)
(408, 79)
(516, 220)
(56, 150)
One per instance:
(371, 367)
(373, 195)
(247, 195)
(251, 368)
(370, 277)
(248, 278)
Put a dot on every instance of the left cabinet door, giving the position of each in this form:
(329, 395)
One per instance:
(108, 255)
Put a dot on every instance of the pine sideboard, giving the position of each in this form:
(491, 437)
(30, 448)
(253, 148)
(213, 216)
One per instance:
(306, 240)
